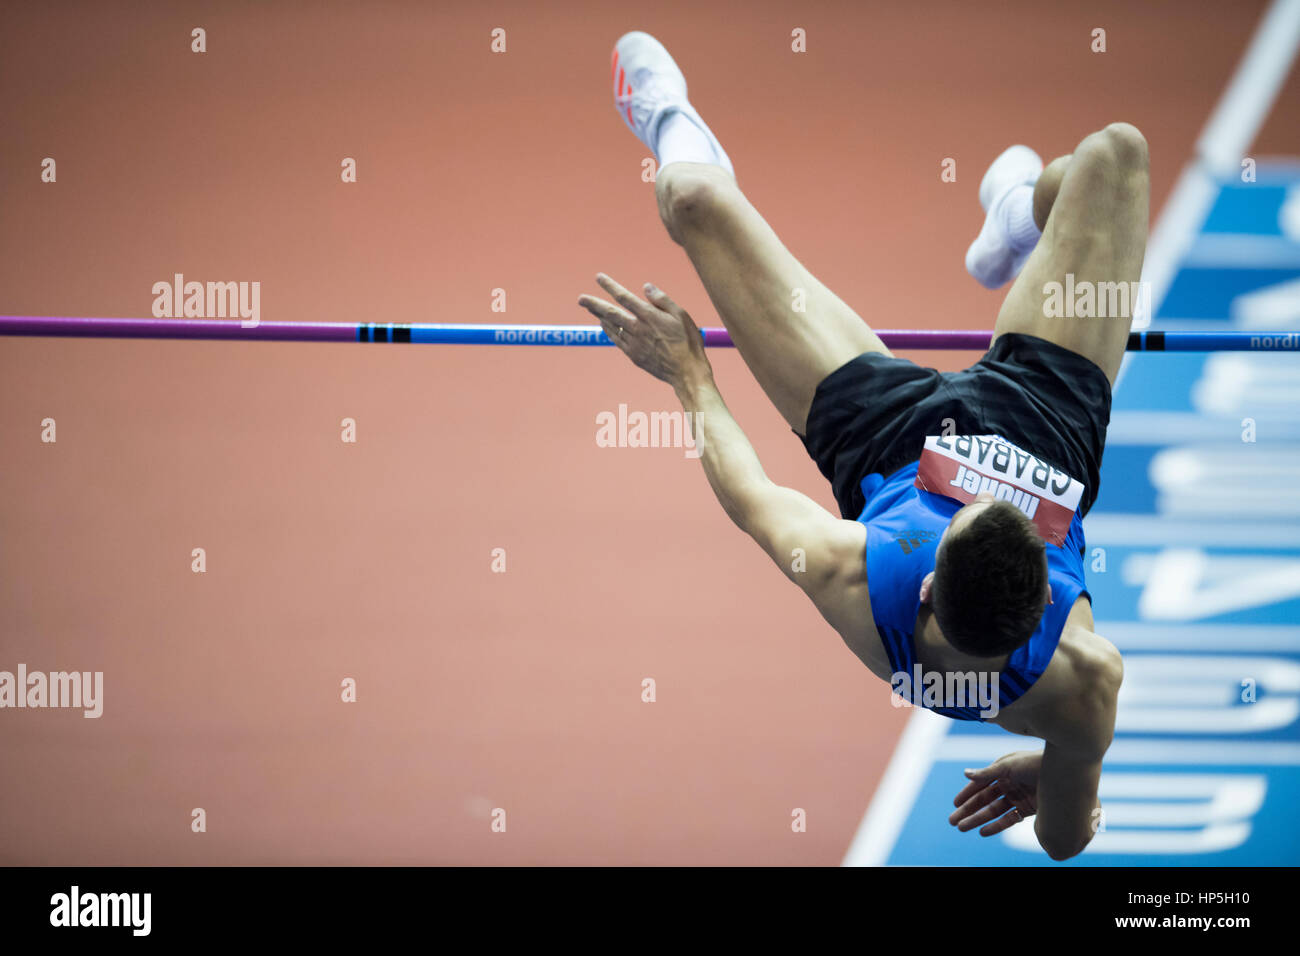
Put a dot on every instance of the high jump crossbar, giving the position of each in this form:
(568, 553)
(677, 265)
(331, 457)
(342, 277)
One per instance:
(430, 333)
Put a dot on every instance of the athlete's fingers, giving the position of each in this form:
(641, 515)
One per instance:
(623, 297)
(620, 337)
(982, 798)
(1004, 822)
(613, 320)
(968, 791)
(660, 299)
(615, 336)
(992, 811)
(983, 774)
(607, 311)
(601, 308)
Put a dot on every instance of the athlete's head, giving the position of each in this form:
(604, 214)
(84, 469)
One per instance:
(990, 578)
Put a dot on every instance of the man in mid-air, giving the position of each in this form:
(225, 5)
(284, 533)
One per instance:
(957, 562)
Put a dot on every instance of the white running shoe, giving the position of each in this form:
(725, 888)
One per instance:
(991, 259)
(648, 86)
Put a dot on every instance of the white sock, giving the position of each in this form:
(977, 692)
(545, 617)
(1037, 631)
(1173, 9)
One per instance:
(1016, 216)
(682, 141)
(1008, 237)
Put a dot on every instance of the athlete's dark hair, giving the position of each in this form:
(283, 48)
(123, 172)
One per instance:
(990, 582)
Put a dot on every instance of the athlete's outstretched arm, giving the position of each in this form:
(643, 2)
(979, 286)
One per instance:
(830, 564)
(1069, 812)
(1057, 786)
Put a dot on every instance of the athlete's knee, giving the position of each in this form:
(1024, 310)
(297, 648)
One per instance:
(1119, 149)
(1128, 145)
(692, 193)
(1047, 188)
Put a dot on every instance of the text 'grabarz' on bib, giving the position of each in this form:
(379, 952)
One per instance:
(963, 466)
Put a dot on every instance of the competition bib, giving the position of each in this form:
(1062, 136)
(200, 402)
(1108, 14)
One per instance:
(963, 466)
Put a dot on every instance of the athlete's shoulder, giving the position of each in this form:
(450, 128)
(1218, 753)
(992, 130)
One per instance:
(1089, 671)
(1096, 661)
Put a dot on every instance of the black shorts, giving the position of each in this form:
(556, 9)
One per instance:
(872, 415)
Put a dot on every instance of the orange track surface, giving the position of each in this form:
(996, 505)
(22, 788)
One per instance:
(326, 560)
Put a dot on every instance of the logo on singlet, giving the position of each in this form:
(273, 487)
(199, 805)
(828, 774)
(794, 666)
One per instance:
(910, 540)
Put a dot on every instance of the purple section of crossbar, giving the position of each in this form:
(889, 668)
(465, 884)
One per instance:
(921, 339)
(177, 329)
(937, 339)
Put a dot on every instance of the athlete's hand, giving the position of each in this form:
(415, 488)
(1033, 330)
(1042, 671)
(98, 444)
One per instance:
(1000, 795)
(658, 336)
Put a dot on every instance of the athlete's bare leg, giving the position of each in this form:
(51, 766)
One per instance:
(1046, 189)
(1092, 207)
(754, 283)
